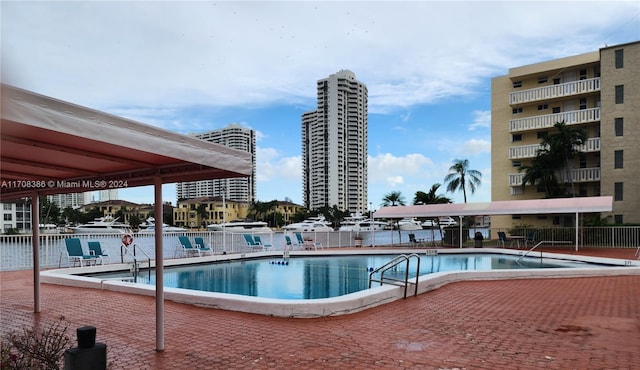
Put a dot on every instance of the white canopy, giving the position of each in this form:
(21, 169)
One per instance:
(51, 146)
(507, 207)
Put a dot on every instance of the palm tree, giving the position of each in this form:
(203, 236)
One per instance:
(462, 178)
(563, 146)
(395, 198)
(431, 197)
(556, 151)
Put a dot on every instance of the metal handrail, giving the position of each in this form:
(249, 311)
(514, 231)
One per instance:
(393, 263)
(541, 242)
(135, 260)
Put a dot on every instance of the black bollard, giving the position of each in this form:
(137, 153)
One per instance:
(89, 355)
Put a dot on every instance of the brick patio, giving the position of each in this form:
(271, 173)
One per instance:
(572, 323)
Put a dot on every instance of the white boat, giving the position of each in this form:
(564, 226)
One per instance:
(318, 223)
(149, 227)
(240, 226)
(409, 224)
(102, 225)
(442, 222)
(358, 222)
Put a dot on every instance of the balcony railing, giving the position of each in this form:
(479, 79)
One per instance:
(579, 175)
(555, 91)
(548, 120)
(530, 151)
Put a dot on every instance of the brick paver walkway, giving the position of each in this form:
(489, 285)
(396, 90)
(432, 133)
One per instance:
(581, 323)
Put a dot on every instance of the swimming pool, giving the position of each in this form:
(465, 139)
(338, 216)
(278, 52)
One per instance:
(317, 277)
(341, 304)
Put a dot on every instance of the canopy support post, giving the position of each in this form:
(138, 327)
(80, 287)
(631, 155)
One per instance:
(157, 187)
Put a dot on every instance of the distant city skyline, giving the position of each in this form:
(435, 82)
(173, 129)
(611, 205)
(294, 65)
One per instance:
(177, 66)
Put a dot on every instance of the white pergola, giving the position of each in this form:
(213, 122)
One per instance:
(49, 146)
(574, 206)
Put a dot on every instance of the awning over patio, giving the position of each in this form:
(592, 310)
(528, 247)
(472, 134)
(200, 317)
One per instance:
(54, 146)
(515, 207)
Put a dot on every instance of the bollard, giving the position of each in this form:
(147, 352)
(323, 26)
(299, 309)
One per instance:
(89, 355)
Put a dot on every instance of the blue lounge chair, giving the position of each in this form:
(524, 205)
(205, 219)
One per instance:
(187, 248)
(289, 245)
(307, 244)
(75, 254)
(253, 245)
(257, 239)
(95, 249)
(200, 245)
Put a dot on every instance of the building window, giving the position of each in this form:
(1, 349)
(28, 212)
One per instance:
(617, 219)
(516, 164)
(543, 106)
(541, 134)
(516, 110)
(582, 190)
(596, 72)
(7, 216)
(556, 81)
(619, 94)
(555, 110)
(542, 80)
(583, 160)
(583, 74)
(516, 137)
(583, 103)
(617, 191)
(619, 124)
(517, 84)
(619, 58)
(618, 159)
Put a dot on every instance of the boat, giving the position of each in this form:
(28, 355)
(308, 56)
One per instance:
(318, 223)
(239, 226)
(357, 222)
(442, 222)
(149, 227)
(409, 224)
(102, 225)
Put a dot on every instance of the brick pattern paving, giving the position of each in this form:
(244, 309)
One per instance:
(576, 323)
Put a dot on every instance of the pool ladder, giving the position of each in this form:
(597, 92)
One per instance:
(134, 266)
(393, 280)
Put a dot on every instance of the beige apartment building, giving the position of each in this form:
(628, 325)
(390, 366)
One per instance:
(598, 92)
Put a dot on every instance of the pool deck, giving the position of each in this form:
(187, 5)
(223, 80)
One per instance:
(564, 323)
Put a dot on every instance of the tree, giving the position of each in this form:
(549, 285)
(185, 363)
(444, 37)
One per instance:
(394, 198)
(461, 178)
(557, 150)
(563, 146)
(431, 197)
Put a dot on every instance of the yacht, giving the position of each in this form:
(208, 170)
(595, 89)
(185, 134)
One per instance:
(358, 222)
(240, 226)
(409, 224)
(318, 223)
(149, 227)
(102, 225)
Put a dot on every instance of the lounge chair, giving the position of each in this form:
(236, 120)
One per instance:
(531, 238)
(502, 239)
(289, 244)
(253, 245)
(75, 254)
(308, 243)
(257, 239)
(95, 249)
(187, 248)
(200, 245)
(415, 242)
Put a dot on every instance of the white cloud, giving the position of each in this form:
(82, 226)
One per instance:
(482, 119)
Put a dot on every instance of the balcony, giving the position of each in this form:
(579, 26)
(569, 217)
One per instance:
(548, 120)
(530, 151)
(555, 91)
(579, 175)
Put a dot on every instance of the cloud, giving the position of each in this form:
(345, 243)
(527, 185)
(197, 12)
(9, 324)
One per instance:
(482, 119)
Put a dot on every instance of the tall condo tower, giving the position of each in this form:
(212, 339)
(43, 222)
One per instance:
(238, 189)
(334, 145)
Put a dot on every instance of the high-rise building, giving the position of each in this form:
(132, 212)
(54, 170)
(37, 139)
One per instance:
(334, 145)
(238, 189)
(597, 92)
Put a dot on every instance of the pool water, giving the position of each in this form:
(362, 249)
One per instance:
(321, 277)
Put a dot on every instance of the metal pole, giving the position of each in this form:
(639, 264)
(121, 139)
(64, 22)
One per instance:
(35, 242)
(157, 185)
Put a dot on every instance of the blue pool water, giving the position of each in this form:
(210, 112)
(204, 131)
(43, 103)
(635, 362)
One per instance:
(322, 276)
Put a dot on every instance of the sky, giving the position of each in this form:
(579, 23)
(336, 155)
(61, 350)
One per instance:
(192, 67)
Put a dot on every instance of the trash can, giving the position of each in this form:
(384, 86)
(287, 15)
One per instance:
(478, 239)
